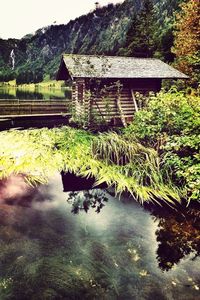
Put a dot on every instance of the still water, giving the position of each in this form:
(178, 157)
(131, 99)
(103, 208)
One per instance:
(9, 92)
(123, 252)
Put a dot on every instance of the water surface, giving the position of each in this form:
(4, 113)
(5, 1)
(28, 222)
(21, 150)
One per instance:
(10, 92)
(123, 252)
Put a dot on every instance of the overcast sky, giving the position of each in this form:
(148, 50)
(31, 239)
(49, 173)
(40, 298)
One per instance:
(20, 17)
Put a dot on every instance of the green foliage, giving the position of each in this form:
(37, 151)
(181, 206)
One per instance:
(166, 114)
(140, 40)
(113, 148)
(164, 32)
(40, 153)
(137, 162)
(182, 157)
(170, 123)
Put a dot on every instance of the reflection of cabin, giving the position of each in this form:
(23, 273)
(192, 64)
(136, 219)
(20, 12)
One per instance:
(106, 85)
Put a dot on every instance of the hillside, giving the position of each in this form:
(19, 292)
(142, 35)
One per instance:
(103, 31)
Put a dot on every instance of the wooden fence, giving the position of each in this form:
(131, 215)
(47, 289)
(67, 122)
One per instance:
(33, 107)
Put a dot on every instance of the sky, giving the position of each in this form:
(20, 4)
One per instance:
(21, 17)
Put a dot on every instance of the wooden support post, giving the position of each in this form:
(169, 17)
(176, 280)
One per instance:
(119, 105)
(74, 97)
(77, 104)
(86, 102)
(134, 101)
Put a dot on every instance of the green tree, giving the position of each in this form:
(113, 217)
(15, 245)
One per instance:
(140, 41)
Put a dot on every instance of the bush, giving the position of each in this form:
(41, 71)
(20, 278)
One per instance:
(170, 123)
(166, 114)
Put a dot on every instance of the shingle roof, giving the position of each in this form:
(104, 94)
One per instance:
(90, 66)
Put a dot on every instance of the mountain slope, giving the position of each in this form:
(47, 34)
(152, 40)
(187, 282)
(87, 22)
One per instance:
(102, 31)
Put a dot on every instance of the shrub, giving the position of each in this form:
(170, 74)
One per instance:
(170, 123)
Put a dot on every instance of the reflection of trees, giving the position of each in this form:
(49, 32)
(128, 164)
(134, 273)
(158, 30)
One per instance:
(84, 200)
(177, 238)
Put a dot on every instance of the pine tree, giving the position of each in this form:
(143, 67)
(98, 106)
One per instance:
(187, 39)
(140, 41)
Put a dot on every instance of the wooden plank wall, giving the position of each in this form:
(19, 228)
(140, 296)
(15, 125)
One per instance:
(80, 101)
(107, 107)
(27, 107)
(110, 105)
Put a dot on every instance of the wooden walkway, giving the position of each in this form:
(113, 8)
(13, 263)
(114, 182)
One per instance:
(15, 108)
(33, 113)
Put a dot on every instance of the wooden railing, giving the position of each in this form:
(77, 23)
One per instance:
(33, 107)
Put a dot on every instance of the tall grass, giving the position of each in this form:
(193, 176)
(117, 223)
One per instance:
(120, 162)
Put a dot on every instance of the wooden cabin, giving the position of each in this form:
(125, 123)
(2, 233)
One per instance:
(105, 86)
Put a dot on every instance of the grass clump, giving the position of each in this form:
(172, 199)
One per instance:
(117, 160)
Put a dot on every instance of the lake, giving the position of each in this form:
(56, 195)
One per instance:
(9, 92)
(52, 249)
(32, 93)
